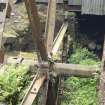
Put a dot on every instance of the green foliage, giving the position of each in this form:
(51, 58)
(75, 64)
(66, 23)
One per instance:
(82, 55)
(12, 81)
(81, 91)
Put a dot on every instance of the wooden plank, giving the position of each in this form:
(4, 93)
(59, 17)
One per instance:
(50, 24)
(59, 38)
(72, 69)
(9, 9)
(75, 69)
(65, 45)
(63, 68)
(102, 79)
(70, 2)
(36, 28)
(40, 43)
(3, 12)
(33, 90)
(46, 1)
(52, 92)
(49, 33)
(1, 57)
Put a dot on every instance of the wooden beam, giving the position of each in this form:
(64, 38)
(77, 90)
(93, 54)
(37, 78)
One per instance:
(63, 68)
(52, 92)
(102, 79)
(73, 69)
(73, 8)
(3, 12)
(50, 24)
(9, 9)
(49, 33)
(40, 43)
(33, 90)
(59, 38)
(36, 28)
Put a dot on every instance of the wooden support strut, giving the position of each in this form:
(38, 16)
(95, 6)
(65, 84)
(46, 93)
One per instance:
(49, 33)
(41, 47)
(72, 69)
(33, 90)
(62, 68)
(59, 38)
(36, 28)
(3, 13)
(50, 24)
(9, 9)
(102, 79)
(45, 48)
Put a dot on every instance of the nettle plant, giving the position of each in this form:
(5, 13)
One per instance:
(77, 90)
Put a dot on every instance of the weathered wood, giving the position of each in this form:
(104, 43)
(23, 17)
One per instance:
(9, 9)
(65, 45)
(59, 38)
(52, 92)
(70, 2)
(102, 79)
(40, 43)
(36, 28)
(3, 12)
(50, 24)
(49, 33)
(33, 90)
(63, 68)
(1, 56)
(73, 69)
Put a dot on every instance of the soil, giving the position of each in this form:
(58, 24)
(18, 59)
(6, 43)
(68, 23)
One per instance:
(17, 33)
(86, 30)
(17, 36)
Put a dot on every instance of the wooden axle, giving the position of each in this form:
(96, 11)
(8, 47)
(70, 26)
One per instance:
(61, 68)
(72, 69)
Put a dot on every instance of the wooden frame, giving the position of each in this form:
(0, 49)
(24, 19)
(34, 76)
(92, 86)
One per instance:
(51, 45)
(47, 46)
(5, 12)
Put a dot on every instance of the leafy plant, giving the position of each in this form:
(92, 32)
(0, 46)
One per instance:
(12, 81)
(81, 91)
(82, 55)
